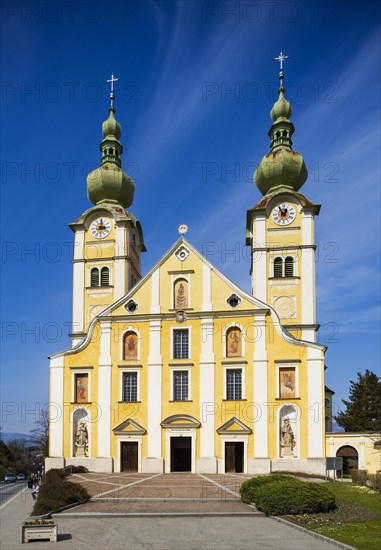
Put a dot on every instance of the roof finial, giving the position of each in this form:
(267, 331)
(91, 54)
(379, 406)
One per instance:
(281, 57)
(112, 95)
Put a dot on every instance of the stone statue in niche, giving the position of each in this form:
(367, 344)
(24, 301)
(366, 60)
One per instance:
(287, 443)
(81, 440)
(181, 299)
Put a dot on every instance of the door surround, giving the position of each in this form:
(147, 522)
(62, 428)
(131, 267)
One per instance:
(128, 439)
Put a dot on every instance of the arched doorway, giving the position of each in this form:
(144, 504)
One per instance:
(350, 459)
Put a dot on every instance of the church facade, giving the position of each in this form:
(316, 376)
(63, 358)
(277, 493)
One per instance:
(179, 369)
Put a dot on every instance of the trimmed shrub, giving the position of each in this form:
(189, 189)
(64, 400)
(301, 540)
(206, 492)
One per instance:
(288, 497)
(375, 481)
(56, 492)
(359, 476)
(250, 487)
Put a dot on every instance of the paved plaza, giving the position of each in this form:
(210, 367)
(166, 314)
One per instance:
(159, 512)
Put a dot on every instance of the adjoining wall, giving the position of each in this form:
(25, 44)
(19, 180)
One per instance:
(315, 466)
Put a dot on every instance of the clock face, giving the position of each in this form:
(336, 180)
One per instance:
(100, 228)
(284, 214)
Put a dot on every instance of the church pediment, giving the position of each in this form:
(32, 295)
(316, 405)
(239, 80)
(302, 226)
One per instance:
(129, 426)
(180, 421)
(234, 426)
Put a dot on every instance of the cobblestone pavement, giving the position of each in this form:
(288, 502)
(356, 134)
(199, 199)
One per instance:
(162, 493)
(188, 532)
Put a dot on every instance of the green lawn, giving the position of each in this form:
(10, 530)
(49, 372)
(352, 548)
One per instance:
(357, 520)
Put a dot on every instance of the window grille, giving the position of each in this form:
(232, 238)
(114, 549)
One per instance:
(180, 385)
(234, 384)
(181, 344)
(130, 386)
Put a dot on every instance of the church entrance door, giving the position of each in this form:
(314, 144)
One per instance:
(129, 456)
(181, 454)
(234, 457)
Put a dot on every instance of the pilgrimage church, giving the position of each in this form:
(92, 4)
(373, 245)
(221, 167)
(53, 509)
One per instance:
(178, 369)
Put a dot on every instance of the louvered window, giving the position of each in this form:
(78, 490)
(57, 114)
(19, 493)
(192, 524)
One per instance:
(289, 267)
(234, 384)
(181, 344)
(278, 267)
(130, 386)
(180, 385)
(105, 276)
(94, 277)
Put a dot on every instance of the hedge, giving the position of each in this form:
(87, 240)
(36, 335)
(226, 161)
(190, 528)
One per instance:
(362, 477)
(279, 495)
(250, 487)
(56, 492)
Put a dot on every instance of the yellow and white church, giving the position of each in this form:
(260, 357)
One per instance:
(179, 370)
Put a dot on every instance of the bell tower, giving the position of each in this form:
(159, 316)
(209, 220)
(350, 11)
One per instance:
(108, 239)
(280, 228)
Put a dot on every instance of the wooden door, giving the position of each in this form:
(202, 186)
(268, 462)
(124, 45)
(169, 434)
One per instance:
(229, 457)
(129, 456)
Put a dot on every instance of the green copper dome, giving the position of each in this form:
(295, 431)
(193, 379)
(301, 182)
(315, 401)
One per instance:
(281, 166)
(108, 183)
(281, 108)
(111, 127)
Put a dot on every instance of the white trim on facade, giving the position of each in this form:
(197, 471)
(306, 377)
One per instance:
(155, 365)
(259, 265)
(104, 390)
(78, 282)
(120, 277)
(206, 287)
(56, 407)
(315, 391)
(207, 388)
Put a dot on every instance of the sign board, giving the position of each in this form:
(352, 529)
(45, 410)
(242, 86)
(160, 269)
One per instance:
(334, 463)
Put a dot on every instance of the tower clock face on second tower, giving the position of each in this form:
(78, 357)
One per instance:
(100, 228)
(284, 214)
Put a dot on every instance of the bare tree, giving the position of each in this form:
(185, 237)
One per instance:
(41, 433)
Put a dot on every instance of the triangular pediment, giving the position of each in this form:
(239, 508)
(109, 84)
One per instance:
(180, 421)
(129, 426)
(234, 426)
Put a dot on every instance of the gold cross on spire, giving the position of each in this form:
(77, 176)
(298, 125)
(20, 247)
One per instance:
(112, 95)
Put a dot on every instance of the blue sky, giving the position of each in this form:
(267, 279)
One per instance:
(196, 84)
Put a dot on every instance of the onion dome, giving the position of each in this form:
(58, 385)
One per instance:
(281, 166)
(108, 183)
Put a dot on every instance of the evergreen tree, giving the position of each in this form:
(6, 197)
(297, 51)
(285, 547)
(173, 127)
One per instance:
(363, 409)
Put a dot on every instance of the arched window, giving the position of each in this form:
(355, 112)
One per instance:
(233, 342)
(278, 267)
(105, 276)
(180, 297)
(94, 277)
(130, 345)
(289, 266)
(285, 133)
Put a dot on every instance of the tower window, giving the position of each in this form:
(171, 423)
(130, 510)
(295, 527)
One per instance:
(285, 133)
(181, 344)
(278, 267)
(94, 277)
(289, 267)
(105, 276)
